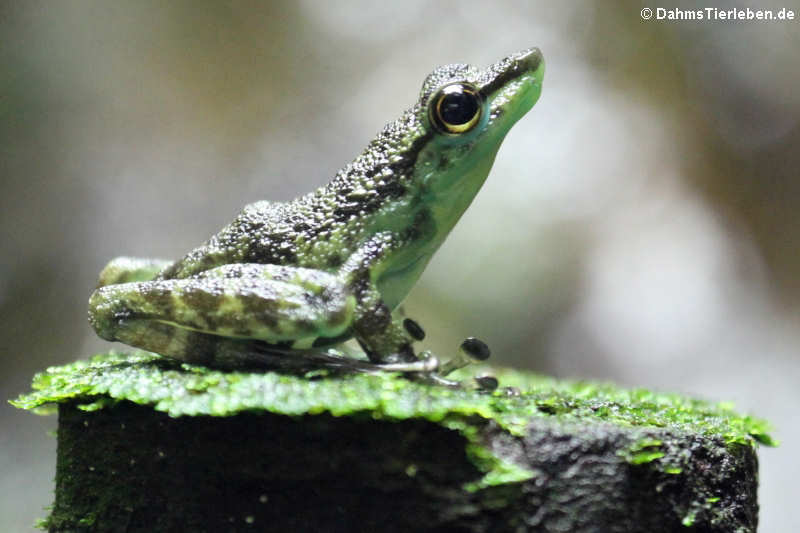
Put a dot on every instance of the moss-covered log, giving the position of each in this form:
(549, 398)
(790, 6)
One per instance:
(145, 444)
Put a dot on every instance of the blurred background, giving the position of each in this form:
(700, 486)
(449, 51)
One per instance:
(641, 224)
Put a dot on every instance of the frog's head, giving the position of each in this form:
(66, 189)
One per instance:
(466, 113)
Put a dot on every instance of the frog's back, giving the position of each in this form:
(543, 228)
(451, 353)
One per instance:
(299, 233)
(321, 229)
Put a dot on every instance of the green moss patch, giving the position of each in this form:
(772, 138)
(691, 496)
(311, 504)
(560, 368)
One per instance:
(186, 390)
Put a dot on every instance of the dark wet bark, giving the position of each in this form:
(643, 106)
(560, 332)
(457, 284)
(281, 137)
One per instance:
(129, 468)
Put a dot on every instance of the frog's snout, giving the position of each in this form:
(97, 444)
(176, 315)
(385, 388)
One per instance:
(527, 65)
(528, 60)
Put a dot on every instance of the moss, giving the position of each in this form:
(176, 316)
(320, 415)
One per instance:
(667, 440)
(186, 390)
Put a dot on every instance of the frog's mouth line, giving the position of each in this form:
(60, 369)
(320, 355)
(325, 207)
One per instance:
(526, 62)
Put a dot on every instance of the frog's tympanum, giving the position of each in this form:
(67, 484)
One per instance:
(284, 282)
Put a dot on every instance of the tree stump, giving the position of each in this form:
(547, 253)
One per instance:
(147, 444)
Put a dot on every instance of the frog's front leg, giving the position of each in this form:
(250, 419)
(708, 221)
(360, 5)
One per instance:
(387, 336)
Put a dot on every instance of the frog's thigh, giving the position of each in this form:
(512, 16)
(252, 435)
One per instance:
(263, 302)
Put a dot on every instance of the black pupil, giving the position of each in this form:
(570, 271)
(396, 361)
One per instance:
(458, 108)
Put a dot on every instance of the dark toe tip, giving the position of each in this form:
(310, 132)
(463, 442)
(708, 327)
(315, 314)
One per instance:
(476, 348)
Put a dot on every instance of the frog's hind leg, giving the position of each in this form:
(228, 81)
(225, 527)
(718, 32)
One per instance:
(274, 304)
(236, 316)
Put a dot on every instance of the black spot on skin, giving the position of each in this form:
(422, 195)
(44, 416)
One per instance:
(261, 309)
(326, 295)
(300, 227)
(422, 225)
(391, 189)
(334, 261)
(345, 210)
(271, 252)
(161, 299)
(203, 301)
(282, 275)
(233, 272)
(310, 299)
(360, 284)
(206, 304)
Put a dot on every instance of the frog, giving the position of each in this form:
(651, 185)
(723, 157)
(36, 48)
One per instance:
(285, 283)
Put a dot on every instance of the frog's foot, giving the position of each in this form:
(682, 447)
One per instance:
(278, 357)
(471, 351)
(130, 269)
(424, 370)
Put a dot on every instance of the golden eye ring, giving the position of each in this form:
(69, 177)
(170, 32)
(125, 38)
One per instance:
(456, 108)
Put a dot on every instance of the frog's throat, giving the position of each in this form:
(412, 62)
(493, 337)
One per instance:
(458, 186)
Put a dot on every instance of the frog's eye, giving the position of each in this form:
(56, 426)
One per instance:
(456, 108)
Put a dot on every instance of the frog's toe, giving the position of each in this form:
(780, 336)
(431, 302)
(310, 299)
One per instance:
(471, 351)
(130, 269)
(105, 315)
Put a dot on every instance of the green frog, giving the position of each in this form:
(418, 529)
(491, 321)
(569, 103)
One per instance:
(284, 282)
